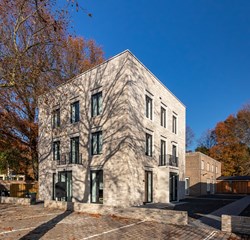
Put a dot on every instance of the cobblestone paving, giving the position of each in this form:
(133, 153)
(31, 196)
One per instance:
(35, 222)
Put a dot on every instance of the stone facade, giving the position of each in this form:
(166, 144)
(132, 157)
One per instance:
(125, 85)
(201, 172)
(235, 224)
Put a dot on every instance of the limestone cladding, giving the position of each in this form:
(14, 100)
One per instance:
(124, 82)
(202, 172)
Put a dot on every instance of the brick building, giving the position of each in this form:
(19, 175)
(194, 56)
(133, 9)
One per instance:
(113, 135)
(201, 174)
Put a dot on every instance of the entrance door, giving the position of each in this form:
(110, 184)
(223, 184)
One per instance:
(96, 186)
(173, 187)
(148, 186)
(66, 177)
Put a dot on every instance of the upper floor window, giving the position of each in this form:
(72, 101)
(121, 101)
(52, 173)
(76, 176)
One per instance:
(96, 104)
(212, 168)
(202, 164)
(208, 167)
(174, 124)
(56, 150)
(74, 150)
(163, 153)
(96, 143)
(74, 112)
(56, 118)
(163, 117)
(149, 107)
(216, 169)
(148, 145)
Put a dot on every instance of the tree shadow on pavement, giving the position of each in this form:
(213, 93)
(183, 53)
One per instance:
(41, 230)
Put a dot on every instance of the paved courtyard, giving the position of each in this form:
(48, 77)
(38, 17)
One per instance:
(36, 222)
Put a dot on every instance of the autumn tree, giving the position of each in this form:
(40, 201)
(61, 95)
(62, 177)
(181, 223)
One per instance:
(229, 149)
(36, 54)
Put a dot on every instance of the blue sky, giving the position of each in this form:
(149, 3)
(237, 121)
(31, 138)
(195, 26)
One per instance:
(200, 49)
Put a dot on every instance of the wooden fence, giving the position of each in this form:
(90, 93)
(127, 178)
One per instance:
(233, 186)
(22, 189)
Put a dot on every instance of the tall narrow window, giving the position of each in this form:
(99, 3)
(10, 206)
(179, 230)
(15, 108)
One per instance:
(163, 117)
(148, 186)
(56, 150)
(173, 161)
(202, 164)
(149, 107)
(96, 104)
(96, 143)
(96, 186)
(148, 145)
(163, 153)
(174, 124)
(74, 112)
(56, 118)
(74, 150)
(208, 167)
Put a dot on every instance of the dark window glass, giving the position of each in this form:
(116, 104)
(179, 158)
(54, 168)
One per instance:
(74, 150)
(96, 180)
(163, 153)
(148, 186)
(56, 150)
(163, 117)
(74, 112)
(56, 118)
(149, 107)
(96, 143)
(148, 144)
(96, 104)
(174, 124)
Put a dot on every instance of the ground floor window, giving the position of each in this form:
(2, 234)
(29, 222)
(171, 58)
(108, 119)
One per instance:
(208, 185)
(63, 188)
(187, 185)
(148, 186)
(96, 185)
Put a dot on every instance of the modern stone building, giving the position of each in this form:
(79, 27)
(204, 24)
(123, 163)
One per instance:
(114, 135)
(201, 174)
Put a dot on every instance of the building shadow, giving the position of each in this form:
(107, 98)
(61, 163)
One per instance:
(41, 230)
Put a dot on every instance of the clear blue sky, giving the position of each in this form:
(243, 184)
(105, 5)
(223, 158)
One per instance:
(200, 49)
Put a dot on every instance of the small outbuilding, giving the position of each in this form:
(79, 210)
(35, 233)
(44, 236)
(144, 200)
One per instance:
(233, 184)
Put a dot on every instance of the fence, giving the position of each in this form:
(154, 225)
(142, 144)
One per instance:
(233, 186)
(23, 189)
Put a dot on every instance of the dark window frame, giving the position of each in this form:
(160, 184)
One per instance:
(147, 173)
(163, 117)
(163, 153)
(98, 110)
(98, 190)
(56, 121)
(149, 107)
(76, 106)
(99, 143)
(76, 140)
(56, 144)
(174, 124)
(149, 144)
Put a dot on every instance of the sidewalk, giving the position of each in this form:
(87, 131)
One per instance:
(213, 220)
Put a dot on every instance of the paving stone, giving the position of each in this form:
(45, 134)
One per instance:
(36, 222)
